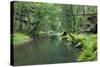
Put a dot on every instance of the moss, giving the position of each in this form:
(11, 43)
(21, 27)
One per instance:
(20, 38)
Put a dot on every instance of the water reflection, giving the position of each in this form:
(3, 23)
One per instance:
(45, 50)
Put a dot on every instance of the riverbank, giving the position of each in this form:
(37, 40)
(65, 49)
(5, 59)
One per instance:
(19, 38)
(86, 43)
(89, 49)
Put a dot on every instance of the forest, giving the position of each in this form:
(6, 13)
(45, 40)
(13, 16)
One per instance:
(70, 29)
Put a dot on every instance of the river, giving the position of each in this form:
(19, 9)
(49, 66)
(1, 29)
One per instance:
(45, 50)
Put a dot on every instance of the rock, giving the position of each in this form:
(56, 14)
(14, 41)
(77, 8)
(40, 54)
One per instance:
(90, 26)
(64, 33)
(79, 45)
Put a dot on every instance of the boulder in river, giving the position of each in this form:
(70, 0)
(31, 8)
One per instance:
(64, 33)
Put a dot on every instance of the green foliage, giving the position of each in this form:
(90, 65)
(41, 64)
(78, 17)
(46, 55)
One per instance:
(20, 38)
(89, 50)
(33, 17)
(77, 37)
(38, 19)
(86, 43)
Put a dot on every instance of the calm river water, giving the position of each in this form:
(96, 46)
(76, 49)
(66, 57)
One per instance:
(45, 50)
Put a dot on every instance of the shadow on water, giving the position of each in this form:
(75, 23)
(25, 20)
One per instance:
(45, 51)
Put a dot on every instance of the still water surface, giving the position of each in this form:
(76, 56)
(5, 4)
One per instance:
(45, 50)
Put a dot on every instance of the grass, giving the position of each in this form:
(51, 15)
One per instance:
(88, 43)
(20, 38)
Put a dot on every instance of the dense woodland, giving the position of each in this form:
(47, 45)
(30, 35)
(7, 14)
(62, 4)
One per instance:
(31, 18)
(74, 23)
